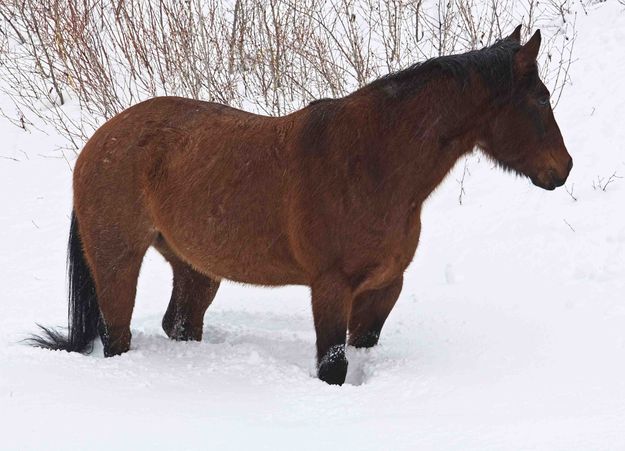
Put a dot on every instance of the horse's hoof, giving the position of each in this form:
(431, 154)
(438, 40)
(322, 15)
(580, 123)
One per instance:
(333, 367)
(181, 334)
(368, 340)
(117, 347)
(179, 330)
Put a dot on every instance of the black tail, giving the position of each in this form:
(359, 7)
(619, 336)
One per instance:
(83, 311)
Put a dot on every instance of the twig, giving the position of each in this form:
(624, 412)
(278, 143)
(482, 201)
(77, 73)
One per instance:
(571, 192)
(17, 32)
(465, 171)
(610, 180)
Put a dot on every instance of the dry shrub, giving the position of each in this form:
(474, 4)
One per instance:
(268, 56)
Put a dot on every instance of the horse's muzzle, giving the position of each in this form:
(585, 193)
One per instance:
(551, 179)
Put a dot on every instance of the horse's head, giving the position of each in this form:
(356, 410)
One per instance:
(523, 135)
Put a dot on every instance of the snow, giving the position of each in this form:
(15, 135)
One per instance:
(509, 333)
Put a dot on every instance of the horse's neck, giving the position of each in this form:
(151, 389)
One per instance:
(426, 139)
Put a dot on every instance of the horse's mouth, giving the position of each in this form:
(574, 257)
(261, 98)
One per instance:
(549, 187)
(549, 181)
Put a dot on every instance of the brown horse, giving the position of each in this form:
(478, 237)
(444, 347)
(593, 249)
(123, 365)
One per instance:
(329, 196)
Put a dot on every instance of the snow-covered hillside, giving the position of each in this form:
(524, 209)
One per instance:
(509, 333)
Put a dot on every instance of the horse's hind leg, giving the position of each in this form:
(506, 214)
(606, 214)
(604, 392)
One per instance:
(192, 294)
(369, 312)
(115, 258)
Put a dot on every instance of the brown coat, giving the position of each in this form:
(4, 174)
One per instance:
(329, 196)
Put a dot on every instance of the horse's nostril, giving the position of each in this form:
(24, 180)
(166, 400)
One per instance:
(570, 166)
(553, 175)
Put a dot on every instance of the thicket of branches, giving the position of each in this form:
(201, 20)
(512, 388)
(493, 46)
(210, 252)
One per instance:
(269, 56)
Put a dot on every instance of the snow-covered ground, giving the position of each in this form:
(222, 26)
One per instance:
(508, 335)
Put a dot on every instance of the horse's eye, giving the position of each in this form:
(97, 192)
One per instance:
(544, 101)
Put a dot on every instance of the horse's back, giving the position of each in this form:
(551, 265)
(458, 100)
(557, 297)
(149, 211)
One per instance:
(210, 179)
(114, 161)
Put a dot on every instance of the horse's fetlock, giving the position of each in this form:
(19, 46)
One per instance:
(115, 341)
(179, 328)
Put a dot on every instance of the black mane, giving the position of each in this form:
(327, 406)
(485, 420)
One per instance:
(494, 65)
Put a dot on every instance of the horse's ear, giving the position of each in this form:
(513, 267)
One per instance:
(525, 58)
(516, 35)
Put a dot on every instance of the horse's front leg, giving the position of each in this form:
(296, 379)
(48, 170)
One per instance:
(369, 312)
(331, 303)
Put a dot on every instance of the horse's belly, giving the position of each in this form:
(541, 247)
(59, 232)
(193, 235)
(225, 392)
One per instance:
(255, 259)
(230, 240)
